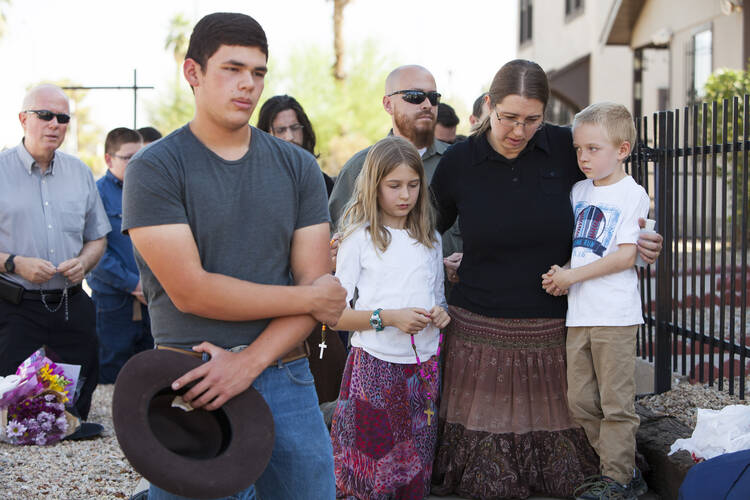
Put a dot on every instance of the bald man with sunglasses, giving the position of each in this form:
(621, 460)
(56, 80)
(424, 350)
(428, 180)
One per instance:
(411, 98)
(53, 231)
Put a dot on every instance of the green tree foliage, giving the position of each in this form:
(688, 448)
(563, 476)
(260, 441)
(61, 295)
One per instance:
(172, 109)
(728, 84)
(175, 107)
(347, 114)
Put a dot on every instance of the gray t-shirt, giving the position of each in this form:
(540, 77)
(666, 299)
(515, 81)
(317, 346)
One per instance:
(242, 214)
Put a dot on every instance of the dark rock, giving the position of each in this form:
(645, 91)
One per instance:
(654, 438)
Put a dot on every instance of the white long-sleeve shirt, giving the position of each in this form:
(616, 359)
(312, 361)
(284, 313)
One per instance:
(407, 274)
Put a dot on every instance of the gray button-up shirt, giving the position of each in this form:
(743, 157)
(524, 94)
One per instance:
(49, 216)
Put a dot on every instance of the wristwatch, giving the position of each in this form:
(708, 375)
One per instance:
(375, 320)
(10, 266)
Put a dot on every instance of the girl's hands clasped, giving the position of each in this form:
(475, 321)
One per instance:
(409, 319)
(413, 320)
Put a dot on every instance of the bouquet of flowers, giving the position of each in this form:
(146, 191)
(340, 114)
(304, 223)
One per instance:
(32, 403)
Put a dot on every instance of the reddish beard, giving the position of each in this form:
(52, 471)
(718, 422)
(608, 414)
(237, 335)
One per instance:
(421, 136)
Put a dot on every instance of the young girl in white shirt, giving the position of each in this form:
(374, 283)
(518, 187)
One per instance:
(385, 424)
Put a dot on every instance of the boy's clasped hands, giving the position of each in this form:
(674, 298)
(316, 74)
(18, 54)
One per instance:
(557, 280)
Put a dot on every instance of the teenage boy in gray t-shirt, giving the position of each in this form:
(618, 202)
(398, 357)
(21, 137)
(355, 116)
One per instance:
(231, 230)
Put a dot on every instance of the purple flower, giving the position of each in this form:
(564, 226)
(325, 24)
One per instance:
(32, 425)
(15, 429)
(44, 416)
(62, 423)
(41, 438)
(50, 398)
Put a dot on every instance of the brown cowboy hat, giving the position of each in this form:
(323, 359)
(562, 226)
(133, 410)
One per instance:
(194, 453)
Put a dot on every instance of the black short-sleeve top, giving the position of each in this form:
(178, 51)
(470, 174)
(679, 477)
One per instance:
(515, 218)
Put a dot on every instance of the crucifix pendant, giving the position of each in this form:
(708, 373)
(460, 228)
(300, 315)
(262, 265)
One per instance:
(322, 346)
(429, 414)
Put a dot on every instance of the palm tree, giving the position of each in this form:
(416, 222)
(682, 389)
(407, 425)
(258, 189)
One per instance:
(178, 39)
(338, 39)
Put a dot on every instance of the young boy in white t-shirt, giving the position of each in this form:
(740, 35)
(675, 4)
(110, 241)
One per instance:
(604, 308)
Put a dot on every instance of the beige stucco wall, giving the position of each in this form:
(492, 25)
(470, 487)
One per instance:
(684, 18)
(612, 75)
(677, 15)
(557, 42)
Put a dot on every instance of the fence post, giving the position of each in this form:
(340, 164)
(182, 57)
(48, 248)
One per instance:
(664, 193)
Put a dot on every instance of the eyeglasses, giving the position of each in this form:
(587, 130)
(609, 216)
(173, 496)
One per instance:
(530, 125)
(418, 96)
(123, 158)
(46, 115)
(282, 130)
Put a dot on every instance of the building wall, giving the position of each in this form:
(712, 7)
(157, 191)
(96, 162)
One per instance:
(684, 18)
(556, 42)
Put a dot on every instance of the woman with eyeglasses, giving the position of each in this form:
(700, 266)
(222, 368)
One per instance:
(283, 117)
(505, 427)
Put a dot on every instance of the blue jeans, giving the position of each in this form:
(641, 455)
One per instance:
(119, 336)
(301, 465)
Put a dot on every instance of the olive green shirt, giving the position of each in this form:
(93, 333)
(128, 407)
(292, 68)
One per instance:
(344, 187)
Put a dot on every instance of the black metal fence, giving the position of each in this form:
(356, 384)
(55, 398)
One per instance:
(694, 164)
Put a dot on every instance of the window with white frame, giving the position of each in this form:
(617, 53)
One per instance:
(700, 63)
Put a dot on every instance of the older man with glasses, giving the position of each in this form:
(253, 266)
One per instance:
(52, 232)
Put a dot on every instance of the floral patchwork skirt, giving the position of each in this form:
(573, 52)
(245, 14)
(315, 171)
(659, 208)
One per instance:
(505, 429)
(384, 429)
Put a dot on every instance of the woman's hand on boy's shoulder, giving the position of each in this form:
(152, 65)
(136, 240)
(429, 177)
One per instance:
(439, 317)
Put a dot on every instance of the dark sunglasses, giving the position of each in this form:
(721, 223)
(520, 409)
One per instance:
(418, 96)
(46, 115)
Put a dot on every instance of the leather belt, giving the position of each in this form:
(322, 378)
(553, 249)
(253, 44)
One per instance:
(54, 295)
(297, 352)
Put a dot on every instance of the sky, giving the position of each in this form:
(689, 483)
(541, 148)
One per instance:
(101, 42)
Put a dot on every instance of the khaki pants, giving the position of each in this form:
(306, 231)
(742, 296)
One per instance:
(601, 393)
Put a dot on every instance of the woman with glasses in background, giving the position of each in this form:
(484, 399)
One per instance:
(505, 429)
(283, 117)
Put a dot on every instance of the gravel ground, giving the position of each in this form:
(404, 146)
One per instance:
(70, 470)
(97, 469)
(685, 398)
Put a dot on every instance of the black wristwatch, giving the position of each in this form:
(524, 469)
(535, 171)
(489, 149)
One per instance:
(10, 266)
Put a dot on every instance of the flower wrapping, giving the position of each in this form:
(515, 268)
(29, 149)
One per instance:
(32, 403)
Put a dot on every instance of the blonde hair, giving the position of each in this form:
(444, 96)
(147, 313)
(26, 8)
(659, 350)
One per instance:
(363, 210)
(613, 118)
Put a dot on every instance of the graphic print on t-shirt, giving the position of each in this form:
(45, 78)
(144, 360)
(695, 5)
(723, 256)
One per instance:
(594, 229)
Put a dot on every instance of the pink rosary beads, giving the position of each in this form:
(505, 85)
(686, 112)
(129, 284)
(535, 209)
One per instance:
(424, 375)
